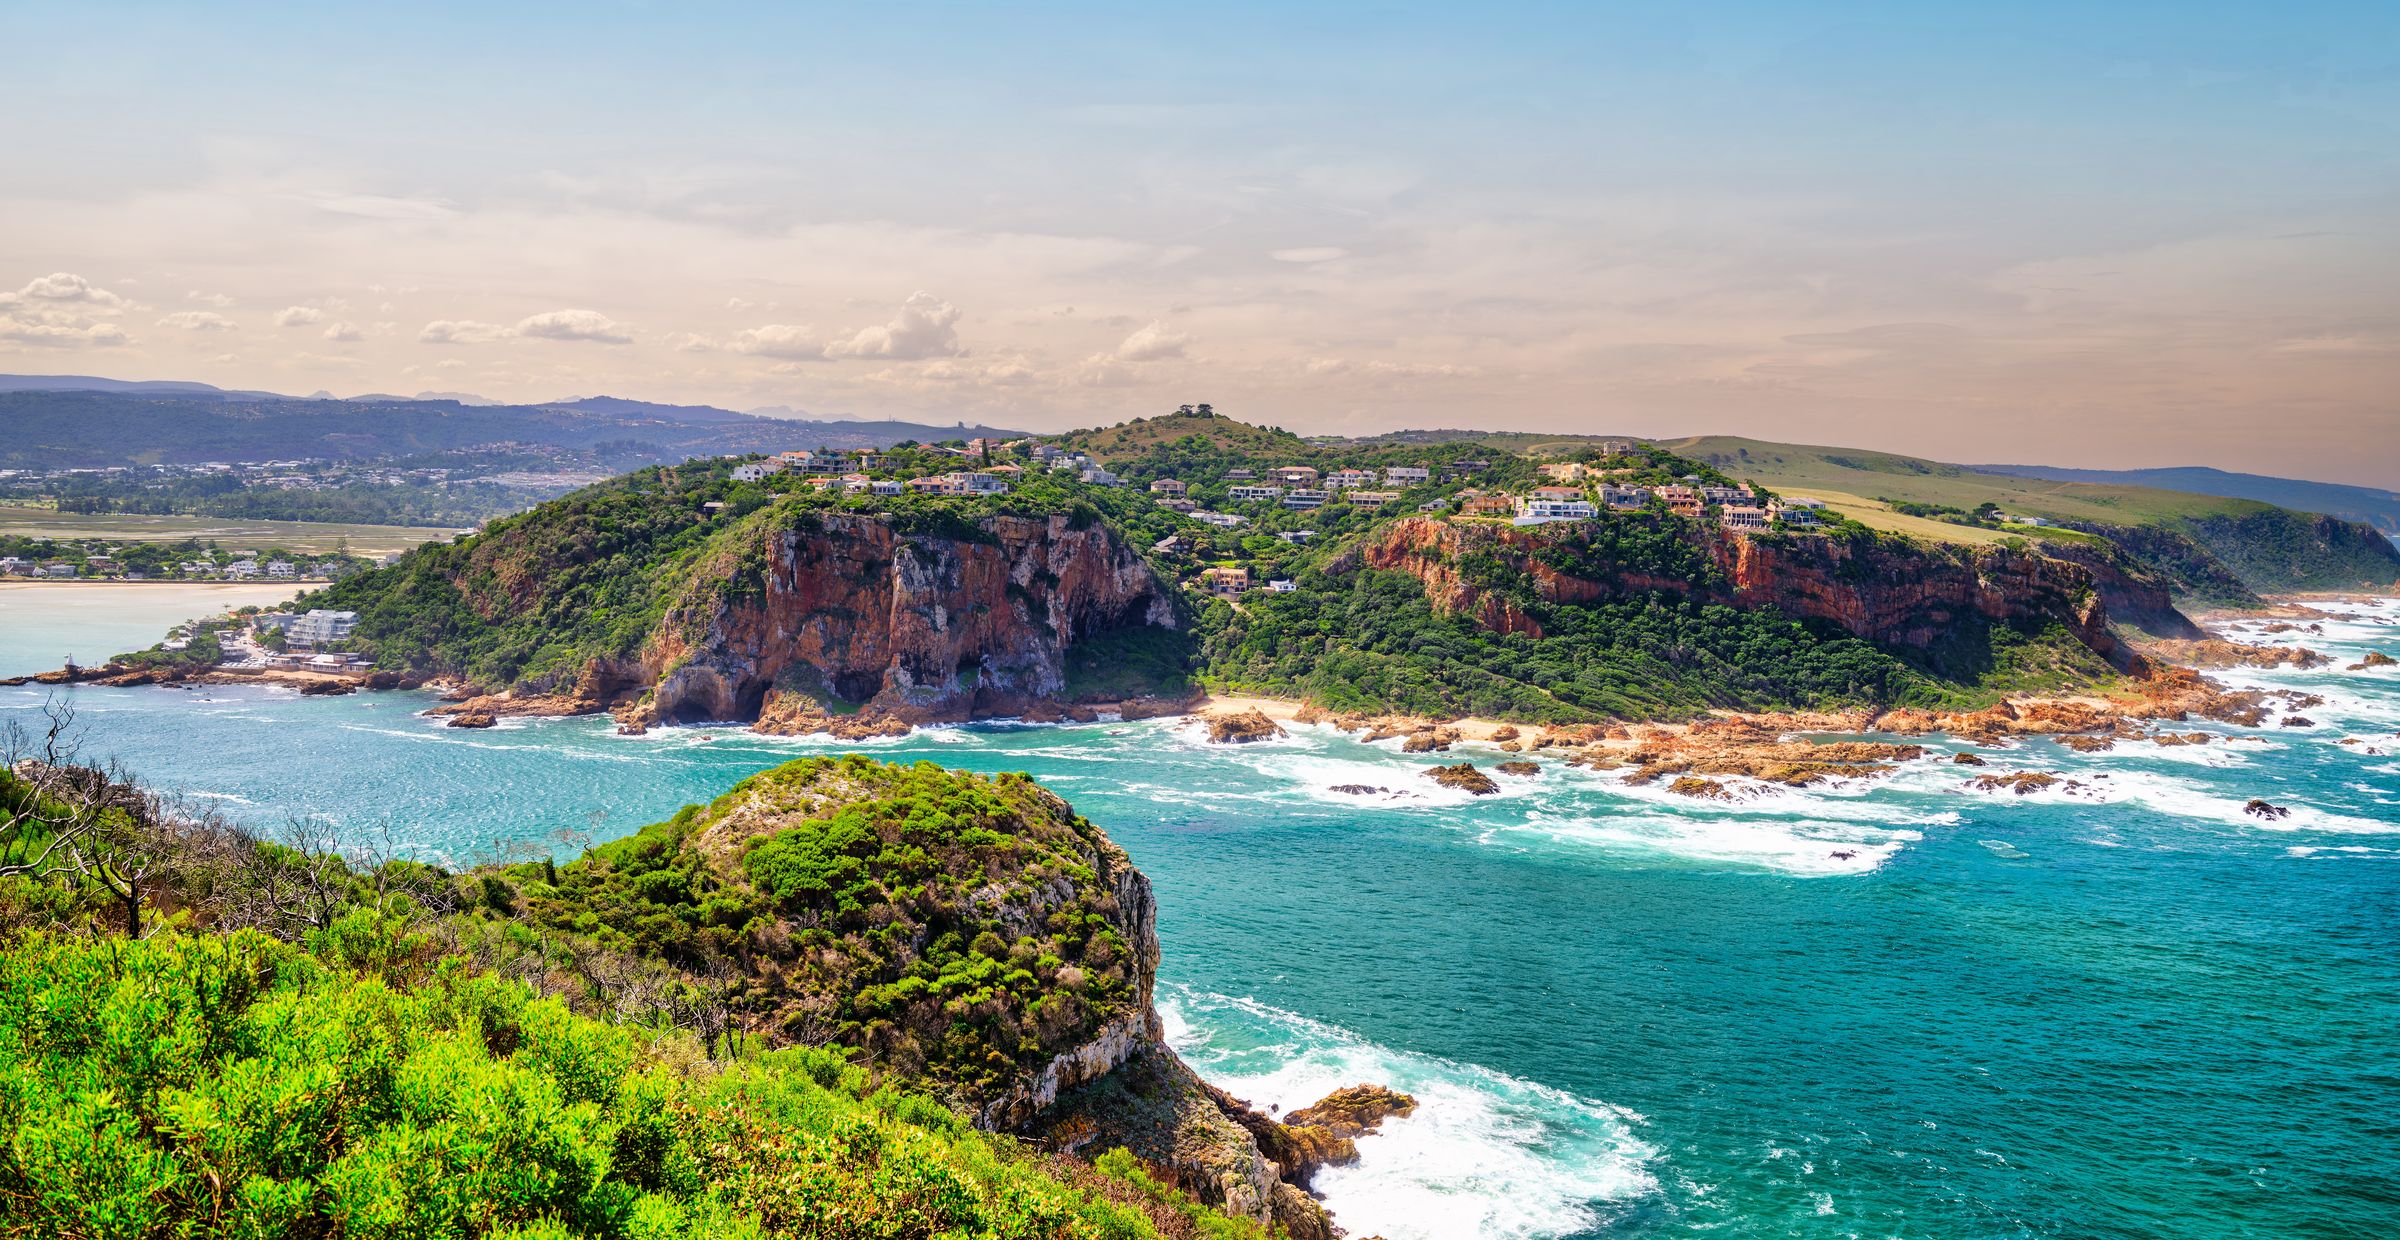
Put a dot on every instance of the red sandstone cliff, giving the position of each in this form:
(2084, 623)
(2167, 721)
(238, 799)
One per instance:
(907, 627)
(1894, 594)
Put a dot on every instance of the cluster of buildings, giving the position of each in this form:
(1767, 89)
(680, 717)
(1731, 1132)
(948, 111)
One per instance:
(1736, 508)
(106, 567)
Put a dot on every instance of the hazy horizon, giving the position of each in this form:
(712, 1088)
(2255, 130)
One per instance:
(2150, 237)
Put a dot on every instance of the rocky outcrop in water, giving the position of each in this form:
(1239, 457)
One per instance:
(1241, 727)
(1463, 776)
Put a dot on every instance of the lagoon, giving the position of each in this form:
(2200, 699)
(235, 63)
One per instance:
(2127, 1009)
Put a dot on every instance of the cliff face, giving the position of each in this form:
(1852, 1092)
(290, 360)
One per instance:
(852, 613)
(1891, 594)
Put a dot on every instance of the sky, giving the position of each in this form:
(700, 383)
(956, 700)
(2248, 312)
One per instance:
(2108, 235)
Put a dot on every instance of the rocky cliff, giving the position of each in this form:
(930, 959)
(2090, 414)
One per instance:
(1893, 593)
(847, 613)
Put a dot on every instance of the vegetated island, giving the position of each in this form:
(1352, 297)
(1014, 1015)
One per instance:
(1128, 571)
(845, 998)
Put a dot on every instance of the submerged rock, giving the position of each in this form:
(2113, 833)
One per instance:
(1694, 786)
(2021, 782)
(2260, 807)
(1359, 790)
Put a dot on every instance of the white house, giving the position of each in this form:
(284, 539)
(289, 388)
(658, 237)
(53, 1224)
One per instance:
(1222, 520)
(1535, 509)
(1624, 497)
(1255, 491)
(1304, 499)
(1407, 475)
(320, 627)
(755, 471)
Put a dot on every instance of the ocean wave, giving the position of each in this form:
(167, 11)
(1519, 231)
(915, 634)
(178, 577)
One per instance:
(1486, 1154)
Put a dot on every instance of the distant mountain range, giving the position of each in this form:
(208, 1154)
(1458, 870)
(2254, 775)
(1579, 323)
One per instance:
(2366, 505)
(78, 421)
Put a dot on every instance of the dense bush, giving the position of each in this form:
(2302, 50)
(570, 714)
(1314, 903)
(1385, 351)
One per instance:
(237, 1086)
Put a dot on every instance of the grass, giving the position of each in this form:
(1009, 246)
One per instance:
(368, 540)
(1808, 470)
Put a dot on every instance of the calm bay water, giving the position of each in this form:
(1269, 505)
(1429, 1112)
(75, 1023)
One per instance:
(2127, 1010)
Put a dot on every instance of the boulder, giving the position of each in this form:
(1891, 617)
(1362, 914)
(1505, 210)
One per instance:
(1705, 789)
(2375, 658)
(1464, 775)
(474, 719)
(1964, 758)
(1241, 727)
(1354, 1110)
(1520, 768)
(2086, 744)
(2021, 782)
(2259, 807)
(327, 688)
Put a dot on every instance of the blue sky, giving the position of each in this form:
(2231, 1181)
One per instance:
(2126, 234)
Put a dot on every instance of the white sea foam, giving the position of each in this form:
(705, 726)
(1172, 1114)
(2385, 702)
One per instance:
(1794, 845)
(1486, 1154)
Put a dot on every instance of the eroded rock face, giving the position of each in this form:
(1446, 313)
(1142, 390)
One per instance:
(850, 612)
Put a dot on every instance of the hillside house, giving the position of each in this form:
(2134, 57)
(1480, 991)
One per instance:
(1742, 517)
(1536, 510)
(1558, 494)
(1301, 500)
(1345, 479)
(1407, 475)
(1177, 505)
(757, 471)
(1168, 486)
(1625, 497)
(1095, 476)
(1683, 500)
(1225, 582)
(1282, 585)
(1254, 492)
(1371, 497)
(1562, 471)
(1492, 504)
(1240, 475)
(1726, 495)
(1222, 520)
(1295, 475)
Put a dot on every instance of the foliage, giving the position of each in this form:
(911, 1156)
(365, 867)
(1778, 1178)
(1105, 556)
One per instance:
(885, 908)
(235, 1085)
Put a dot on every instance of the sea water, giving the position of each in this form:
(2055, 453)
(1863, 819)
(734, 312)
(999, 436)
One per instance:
(1892, 1007)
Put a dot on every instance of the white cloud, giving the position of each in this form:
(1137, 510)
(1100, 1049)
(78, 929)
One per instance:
(780, 340)
(219, 300)
(573, 325)
(62, 311)
(64, 287)
(926, 327)
(1152, 343)
(57, 336)
(298, 316)
(460, 331)
(198, 321)
(1309, 254)
(690, 342)
(343, 331)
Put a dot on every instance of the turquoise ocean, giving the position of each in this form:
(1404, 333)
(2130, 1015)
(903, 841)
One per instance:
(1889, 1008)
